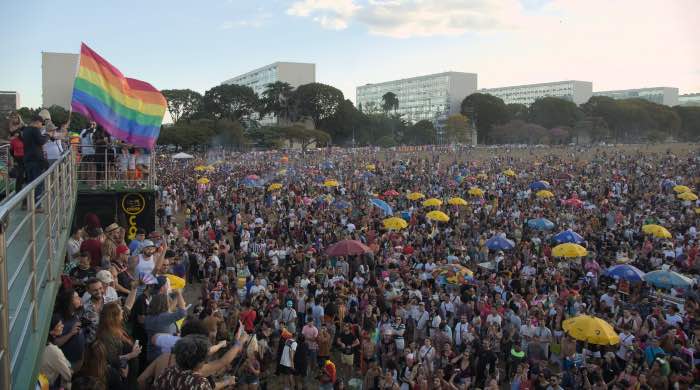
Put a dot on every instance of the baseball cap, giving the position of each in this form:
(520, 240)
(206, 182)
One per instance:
(147, 243)
(105, 276)
(122, 249)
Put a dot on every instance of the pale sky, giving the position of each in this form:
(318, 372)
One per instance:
(184, 44)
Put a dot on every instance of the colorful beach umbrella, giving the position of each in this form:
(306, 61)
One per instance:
(567, 236)
(203, 180)
(274, 187)
(499, 243)
(382, 205)
(540, 224)
(475, 191)
(509, 172)
(591, 329)
(539, 185)
(391, 193)
(457, 202)
(688, 196)
(544, 194)
(437, 215)
(331, 183)
(626, 272)
(657, 231)
(432, 202)
(668, 279)
(679, 189)
(569, 250)
(415, 196)
(347, 248)
(395, 223)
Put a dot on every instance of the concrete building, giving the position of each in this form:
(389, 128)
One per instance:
(689, 100)
(9, 101)
(58, 71)
(660, 95)
(294, 73)
(431, 97)
(572, 90)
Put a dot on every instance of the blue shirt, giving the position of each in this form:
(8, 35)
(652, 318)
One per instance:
(135, 247)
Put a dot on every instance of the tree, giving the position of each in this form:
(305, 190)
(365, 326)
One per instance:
(591, 128)
(230, 101)
(227, 132)
(386, 141)
(551, 112)
(344, 124)
(486, 111)
(266, 137)
(380, 125)
(277, 99)
(457, 129)
(390, 102)
(305, 137)
(520, 132)
(517, 111)
(182, 103)
(317, 101)
(420, 133)
(690, 123)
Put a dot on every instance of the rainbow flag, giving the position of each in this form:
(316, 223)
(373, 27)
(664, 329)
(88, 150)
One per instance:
(128, 109)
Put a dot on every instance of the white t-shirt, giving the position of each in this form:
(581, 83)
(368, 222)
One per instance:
(289, 347)
(674, 320)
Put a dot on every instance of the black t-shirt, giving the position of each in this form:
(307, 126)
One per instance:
(347, 339)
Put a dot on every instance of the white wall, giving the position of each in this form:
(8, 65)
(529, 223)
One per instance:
(296, 74)
(461, 86)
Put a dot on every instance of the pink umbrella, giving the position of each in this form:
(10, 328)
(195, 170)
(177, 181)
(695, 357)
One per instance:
(253, 177)
(391, 193)
(347, 248)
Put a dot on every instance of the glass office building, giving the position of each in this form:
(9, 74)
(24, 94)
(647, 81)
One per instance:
(659, 95)
(689, 100)
(432, 97)
(572, 90)
(294, 73)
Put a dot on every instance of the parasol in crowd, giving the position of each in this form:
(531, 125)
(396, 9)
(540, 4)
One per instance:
(457, 202)
(395, 223)
(347, 248)
(437, 215)
(657, 231)
(592, 330)
(432, 202)
(569, 250)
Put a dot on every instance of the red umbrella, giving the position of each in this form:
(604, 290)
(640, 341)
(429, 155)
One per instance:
(253, 177)
(347, 248)
(573, 202)
(391, 193)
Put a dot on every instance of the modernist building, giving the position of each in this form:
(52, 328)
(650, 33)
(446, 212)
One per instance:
(9, 101)
(58, 71)
(294, 73)
(432, 97)
(689, 100)
(660, 95)
(575, 91)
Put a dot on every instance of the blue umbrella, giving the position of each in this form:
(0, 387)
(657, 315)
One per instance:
(499, 243)
(540, 224)
(248, 182)
(668, 279)
(626, 272)
(341, 204)
(327, 165)
(539, 185)
(406, 215)
(568, 236)
(382, 205)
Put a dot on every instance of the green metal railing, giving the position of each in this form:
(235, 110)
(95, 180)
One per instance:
(33, 234)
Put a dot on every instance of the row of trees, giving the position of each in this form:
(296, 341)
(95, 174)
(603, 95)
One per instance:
(553, 120)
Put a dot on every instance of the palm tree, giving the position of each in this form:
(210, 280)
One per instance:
(390, 102)
(277, 100)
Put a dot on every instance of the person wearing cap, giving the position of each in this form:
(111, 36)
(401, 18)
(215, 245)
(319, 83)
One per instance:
(120, 270)
(34, 161)
(114, 236)
(148, 261)
(136, 244)
(109, 293)
(93, 246)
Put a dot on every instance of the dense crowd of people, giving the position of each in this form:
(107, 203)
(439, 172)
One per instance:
(296, 278)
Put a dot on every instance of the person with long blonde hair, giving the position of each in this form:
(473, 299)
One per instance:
(121, 349)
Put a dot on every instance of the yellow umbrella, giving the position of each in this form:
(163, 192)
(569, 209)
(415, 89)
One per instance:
(371, 167)
(395, 223)
(274, 187)
(591, 329)
(482, 176)
(200, 168)
(544, 194)
(210, 168)
(509, 172)
(331, 183)
(681, 189)
(569, 250)
(657, 231)
(457, 202)
(432, 202)
(415, 196)
(437, 215)
(475, 191)
(688, 196)
(203, 180)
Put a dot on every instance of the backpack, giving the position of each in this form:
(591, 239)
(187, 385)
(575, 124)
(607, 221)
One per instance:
(17, 147)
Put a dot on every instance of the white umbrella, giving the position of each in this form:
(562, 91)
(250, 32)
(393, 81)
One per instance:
(182, 156)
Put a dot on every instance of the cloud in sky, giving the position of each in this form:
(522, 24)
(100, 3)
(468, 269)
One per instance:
(256, 21)
(412, 18)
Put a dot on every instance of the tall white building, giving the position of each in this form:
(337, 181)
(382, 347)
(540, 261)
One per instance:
(572, 90)
(58, 71)
(660, 95)
(431, 97)
(294, 73)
